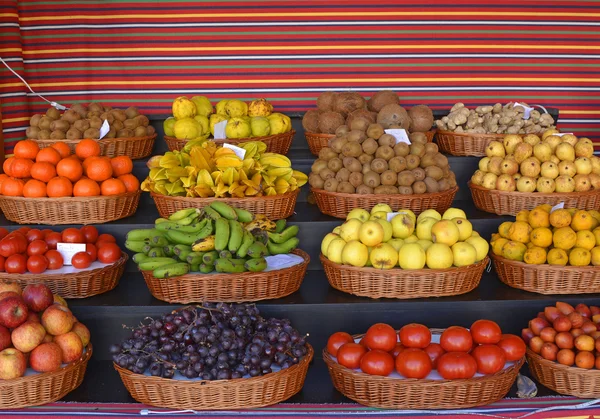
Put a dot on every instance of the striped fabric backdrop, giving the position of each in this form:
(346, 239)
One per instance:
(146, 52)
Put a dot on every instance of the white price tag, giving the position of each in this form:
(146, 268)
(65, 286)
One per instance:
(280, 261)
(391, 215)
(558, 206)
(220, 130)
(399, 134)
(526, 110)
(239, 151)
(104, 129)
(68, 250)
(560, 134)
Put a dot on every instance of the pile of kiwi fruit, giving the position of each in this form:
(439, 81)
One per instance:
(81, 121)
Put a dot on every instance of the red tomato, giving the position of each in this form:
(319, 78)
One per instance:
(13, 243)
(37, 247)
(37, 264)
(399, 348)
(434, 350)
(23, 230)
(490, 358)
(72, 235)
(81, 260)
(456, 339)
(415, 335)
(486, 331)
(52, 239)
(350, 354)
(3, 232)
(55, 259)
(381, 336)
(456, 365)
(34, 234)
(47, 231)
(513, 346)
(2, 260)
(16, 264)
(336, 340)
(106, 238)
(109, 253)
(90, 234)
(92, 251)
(377, 362)
(413, 363)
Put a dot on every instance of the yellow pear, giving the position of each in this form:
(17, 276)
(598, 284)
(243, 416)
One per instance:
(464, 254)
(370, 233)
(355, 253)
(481, 246)
(445, 231)
(337, 230)
(349, 230)
(439, 256)
(334, 250)
(411, 256)
(383, 256)
(326, 241)
(596, 232)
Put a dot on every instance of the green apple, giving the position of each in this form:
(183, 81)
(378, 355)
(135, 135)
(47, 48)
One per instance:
(358, 213)
(451, 213)
(381, 207)
(349, 230)
(387, 230)
(355, 253)
(371, 233)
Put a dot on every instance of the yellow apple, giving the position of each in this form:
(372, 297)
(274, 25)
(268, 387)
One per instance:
(411, 256)
(334, 250)
(431, 213)
(379, 215)
(383, 256)
(358, 213)
(439, 256)
(355, 253)
(481, 246)
(396, 243)
(451, 213)
(445, 231)
(381, 207)
(371, 233)
(464, 254)
(387, 230)
(424, 225)
(326, 240)
(349, 230)
(465, 228)
(402, 226)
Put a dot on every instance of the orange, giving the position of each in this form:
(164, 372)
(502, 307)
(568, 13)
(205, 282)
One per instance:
(69, 168)
(26, 149)
(113, 187)
(131, 183)
(7, 165)
(86, 187)
(3, 177)
(34, 189)
(12, 187)
(99, 169)
(49, 154)
(87, 148)
(63, 149)
(21, 168)
(121, 165)
(59, 186)
(43, 171)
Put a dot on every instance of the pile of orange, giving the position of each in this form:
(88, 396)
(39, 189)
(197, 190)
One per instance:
(55, 172)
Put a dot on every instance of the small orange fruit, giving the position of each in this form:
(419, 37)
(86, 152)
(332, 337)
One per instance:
(131, 183)
(113, 187)
(59, 186)
(121, 165)
(86, 187)
(7, 165)
(98, 169)
(63, 149)
(21, 168)
(26, 149)
(69, 168)
(34, 189)
(42, 170)
(49, 154)
(87, 148)
(3, 177)
(12, 187)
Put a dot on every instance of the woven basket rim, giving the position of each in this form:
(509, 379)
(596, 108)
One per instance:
(323, 135)
(155, 195)
(265, 138)
(534, 194)
(105, 140)
(70, 198)
(544, 363)
(384, 196)
(545, 266)
(470, 134)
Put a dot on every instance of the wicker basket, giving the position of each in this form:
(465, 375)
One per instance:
(69, 210)
(279, 143)
(465, 144)
(510, 203)
(240, 393)
(274, 207)
(340, 204)
(133, 147)
(43, 388)
(318, 141)
(572, 381)
(403, 284)
(229, 288)
(548, 279)
(394, 393)
(74, 285)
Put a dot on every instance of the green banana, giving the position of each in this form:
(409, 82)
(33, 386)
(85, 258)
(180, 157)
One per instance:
(246, 243)
(139, 257)
(280, 225)
(260, 236)
(221, 234)
(194, 268)
(180, 237)
(209, 258)
(211, 213)
(183, 255)
(159, 241)
(135, 245)
(181, 214)
(192, 228)
(142, 234)
(229, 265)
(179, 248)
(257, 250)
(256, 265)
(206, 269)
(169, 271)
(147, 247)
(204, 245)
(187, 220)
(153, 263)
(285, 235)
(236, 235)
(243, 216)
(285, 247)
(168, 249)
(160, 221)
(156, 252)
(224, 210)
(194, 258)
(206, 230)
(225, 254)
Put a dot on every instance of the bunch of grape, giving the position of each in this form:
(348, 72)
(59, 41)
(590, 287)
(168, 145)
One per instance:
(212, 342)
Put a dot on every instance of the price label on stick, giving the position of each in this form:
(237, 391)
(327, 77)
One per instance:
(239, 151)
(220, 130)
(560, 134)
(526, 110)
(68, 250)
(104, 129)
(400, 135)
(558, 206)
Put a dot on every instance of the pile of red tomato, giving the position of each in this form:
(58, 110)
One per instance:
(460, 354)
(32, 250)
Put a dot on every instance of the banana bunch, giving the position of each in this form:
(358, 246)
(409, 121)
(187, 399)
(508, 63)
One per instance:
(205, 170)
(217, 238)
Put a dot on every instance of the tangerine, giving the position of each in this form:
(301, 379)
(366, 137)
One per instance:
(7, 165)
(21, 168)
(63, 149)
(86, 187)
(99, 169)
(121, 165)
(131, 183)
(26, 149)
(48, 154)
(34, 189)
(59, 186)
(43, 170)
(3, 177)
(87, 148)
(113, 187)
(69, 168)
(12, 187)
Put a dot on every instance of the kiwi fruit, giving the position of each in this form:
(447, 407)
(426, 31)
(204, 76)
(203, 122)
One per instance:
(402, 149)
(334, 164)
(417, 137)
(35, 120)
(345, 187)
(370, 146)
(419, 173)
(405, 190)
(327, 154)
(366, 168)
(80, 109)
(393, 114)
(150, 130)
(118, 125)
(352, 164)
(96, 107)
(385, 152)
(364, 190)
(397, 164)
(57, 135)
(96, 122)
(82, 125)
(352, 149)
(119, 114)
(444, 184)
(343, 175)
(375, 131)
(53, 113)
(387, 140)
(71, 116)
(347, 102)
(382, 98)
(32, 133)
(315, 181)
(326, 174)
(342, 130)
(44, 123)
(428, 159)
(372, 179)
(112, 133)
(406, 178)
(131, 112)
(74, 134)
(356, 179)
(318, 165)
(365, 158)
(434, 172)
(360, 124)
(337, 144)
(417, 149)
(109, 117)
(389, 177)
(330, 121)
(379, 165)
(325, 101)
(124, 133)
(431, 185)
(44, 134)
(357, 136)
(129, 124)
(441, 160)
(412, 161)
(93, 114)
(60, 125)
(431, 148)
(140, 131)
(93, 133)
(142, 120)
(421, 117)
(419, 187)
(331, 184)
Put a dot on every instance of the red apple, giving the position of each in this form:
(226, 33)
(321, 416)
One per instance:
(27, 336)
(5, 294)
(83, 333)
(57, 319)
(10, 286)
(38, 297)
(70, 345)
(551, 313)
(59, 300)
(583, 310)
(48, 338)
(5, 341)
(33, 317)
(576, 319)
(13, 311)
(537, 324)
(565, 308)
(46, 358)
(527, 334)
(12, 364)
(595, 310)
